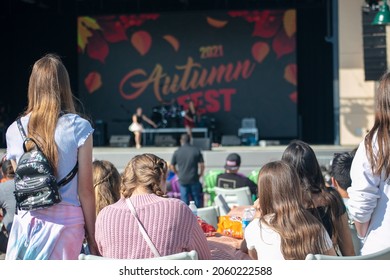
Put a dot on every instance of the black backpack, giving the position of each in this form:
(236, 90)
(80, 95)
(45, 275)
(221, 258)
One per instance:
(36, 186)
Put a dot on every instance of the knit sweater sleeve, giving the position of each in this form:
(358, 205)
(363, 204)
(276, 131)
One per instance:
(198, 241)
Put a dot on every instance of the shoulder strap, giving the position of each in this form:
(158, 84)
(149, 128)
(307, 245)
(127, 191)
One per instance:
(21, 129)
(68, 177)
(142, 229)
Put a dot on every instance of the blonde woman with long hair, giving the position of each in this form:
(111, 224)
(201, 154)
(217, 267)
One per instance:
(106, 182)
(284, 229)
(168, 223)
(65, 138)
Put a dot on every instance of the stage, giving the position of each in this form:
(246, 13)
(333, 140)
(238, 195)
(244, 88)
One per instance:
(252, 157)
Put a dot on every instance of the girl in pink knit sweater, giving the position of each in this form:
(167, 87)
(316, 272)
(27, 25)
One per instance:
(168, 222)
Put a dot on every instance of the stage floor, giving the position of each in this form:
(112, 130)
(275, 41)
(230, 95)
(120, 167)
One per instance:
(252, 157)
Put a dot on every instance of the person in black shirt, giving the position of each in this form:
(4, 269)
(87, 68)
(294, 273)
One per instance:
(231, 178)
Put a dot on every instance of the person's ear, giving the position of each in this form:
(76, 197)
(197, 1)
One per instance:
(335, 183)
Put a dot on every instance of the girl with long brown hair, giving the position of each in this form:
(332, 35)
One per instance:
(323, 202)
(65, 138)
(370, 171)
(284, 229)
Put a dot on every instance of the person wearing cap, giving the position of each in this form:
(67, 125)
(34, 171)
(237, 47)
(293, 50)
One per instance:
(231, 178)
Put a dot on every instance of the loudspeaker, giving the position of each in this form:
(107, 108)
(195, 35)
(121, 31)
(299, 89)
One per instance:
(99, 134)
(230, 140)
(164, 141)
(120, 141)
(202, 143)
(374, 47)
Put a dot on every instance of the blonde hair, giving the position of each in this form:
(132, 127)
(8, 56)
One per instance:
(106, 182)
(146, 171)
(49, 93)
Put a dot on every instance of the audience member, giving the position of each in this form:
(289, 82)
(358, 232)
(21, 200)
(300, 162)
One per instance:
(7, 171)
(168, 223)
(370, 172)
(65, 138)
(106, 182)
(324, 203)
(190, 168)
(285, 229)
(340, 173)
(7, 205)
(137, 126)
(231, 178)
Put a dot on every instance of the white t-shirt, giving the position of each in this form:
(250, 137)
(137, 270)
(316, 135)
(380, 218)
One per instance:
(267, 242)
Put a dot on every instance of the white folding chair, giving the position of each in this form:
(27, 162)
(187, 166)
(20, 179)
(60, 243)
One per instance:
(209, 214)
(192, 255)
(224, 208)
(380, 255)
(235, 197)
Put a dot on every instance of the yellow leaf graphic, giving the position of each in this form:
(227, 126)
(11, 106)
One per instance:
(84, 24)
(289, 22)
(216, 23)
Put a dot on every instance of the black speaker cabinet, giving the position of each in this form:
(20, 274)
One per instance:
(120, 141)
(202, 143)
(164, 140)
(374, 47)
(230, 140)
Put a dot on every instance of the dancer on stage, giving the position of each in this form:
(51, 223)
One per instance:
(190, 117)
(137, 127)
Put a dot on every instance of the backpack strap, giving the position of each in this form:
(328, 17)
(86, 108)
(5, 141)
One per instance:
(64, 180)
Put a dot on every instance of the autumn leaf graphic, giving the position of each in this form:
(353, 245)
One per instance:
(142, 41)
(93, 81)
(260, 51)
(216, 23)
(173, 41)
(84, 25)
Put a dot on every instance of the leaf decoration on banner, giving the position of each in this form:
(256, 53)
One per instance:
(294, 97)
(267, 23)
(93, 81)
(216, 23)
(97, 47)
(113, 30)
(290, 73)
(142, 41)
(84, 25)
(289, 22)
(173, 41)
(282, 44)
(260, 51)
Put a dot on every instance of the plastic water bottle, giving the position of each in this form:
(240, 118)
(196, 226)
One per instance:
(246, 218)
(193, 208)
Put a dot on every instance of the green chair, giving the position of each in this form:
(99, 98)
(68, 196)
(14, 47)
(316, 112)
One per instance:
(209, 183)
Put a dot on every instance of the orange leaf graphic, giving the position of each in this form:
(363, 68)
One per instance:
(294, 97)
(259, 51)
(290, 73)
(289, 22)
(84, 25)
(173, 41)
(216, 23)
(142, 41)
(93, 81)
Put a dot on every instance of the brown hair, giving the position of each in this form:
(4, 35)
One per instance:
(49, 93)
(106, 182)
(147, 171)
(281, 208)
(379, 159)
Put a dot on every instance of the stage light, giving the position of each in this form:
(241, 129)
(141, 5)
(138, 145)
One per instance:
(383, 15)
